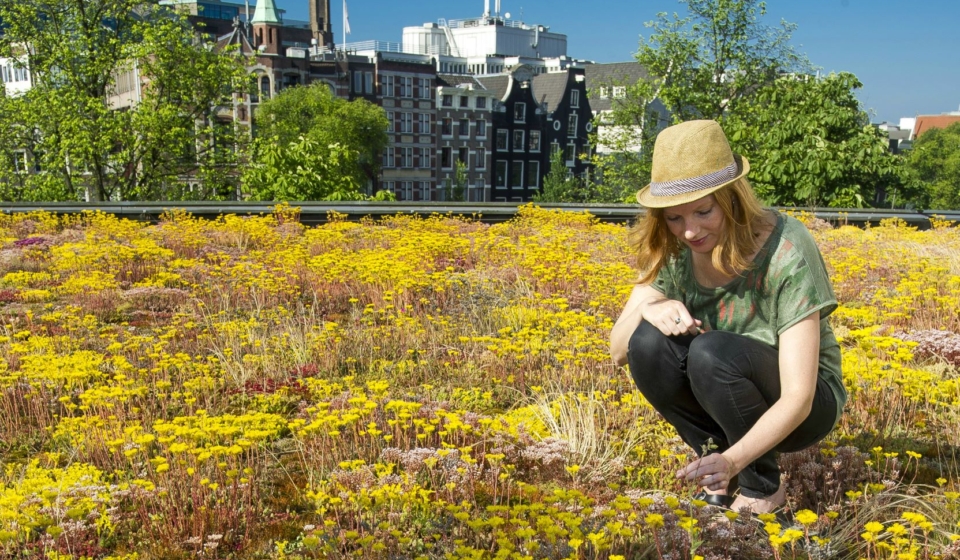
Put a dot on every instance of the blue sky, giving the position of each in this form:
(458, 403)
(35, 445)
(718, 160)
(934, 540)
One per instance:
(901, 51)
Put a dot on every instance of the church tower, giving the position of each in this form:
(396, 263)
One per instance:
(266, 27)
(320, 22)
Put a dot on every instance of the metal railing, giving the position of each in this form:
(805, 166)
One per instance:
(314, 213)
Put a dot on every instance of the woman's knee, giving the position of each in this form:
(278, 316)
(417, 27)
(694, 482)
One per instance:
(646, 340)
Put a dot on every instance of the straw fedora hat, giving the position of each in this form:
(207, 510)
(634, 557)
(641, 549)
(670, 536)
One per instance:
(690, 161)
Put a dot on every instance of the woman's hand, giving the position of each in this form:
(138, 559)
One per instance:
(669, 316)
(713, 472)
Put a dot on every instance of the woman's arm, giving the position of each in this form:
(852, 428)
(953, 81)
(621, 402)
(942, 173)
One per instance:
(646, 302)
(799, 357)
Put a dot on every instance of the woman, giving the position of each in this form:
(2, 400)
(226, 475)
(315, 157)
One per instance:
(726, 332)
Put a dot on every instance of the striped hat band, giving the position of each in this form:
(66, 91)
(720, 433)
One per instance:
(693, 184)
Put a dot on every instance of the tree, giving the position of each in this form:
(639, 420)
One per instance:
(621, 163)
(712, 62)
(558, 185)
(933, 165)
(302, 170)
(810, 144)
(75, 50)
(357, 129)
(455, 189)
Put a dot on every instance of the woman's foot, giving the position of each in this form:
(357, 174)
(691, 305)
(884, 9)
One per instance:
(766, 504)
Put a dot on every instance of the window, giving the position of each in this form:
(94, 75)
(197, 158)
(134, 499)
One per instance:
(570, 155)
(502, 140)
(424, 190)
(462, 155)
(388, 186)
(20, 161)
(425, 88)
(575, 98)
(534, 140)
(464, 128)
(406, 123)
(519, 112)
(501, 174)
(572, 126)
(406, 158)
(426, 155)
(619, 91)
(407, 190)
(388, 158)
(391, 127)
(387, 86)
(446, 128)
(604, 92)
(518, 140)
(447, 100)
(533, 174)
(481, 154)
(406, 86)
(423, 123)
(446, 157)
(481, 128)
(481, 103)
(358, 82)
(516, 175)
(464, 101)
(265, 87)
(368, 82)
(554, 148)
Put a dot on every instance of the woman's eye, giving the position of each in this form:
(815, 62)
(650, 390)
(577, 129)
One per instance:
(673, 218)
(705, 212)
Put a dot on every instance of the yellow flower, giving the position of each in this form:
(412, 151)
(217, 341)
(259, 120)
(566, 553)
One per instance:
(806, 517)
(654, 520)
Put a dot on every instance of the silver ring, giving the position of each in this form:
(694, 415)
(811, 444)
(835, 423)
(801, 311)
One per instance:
(678, 320)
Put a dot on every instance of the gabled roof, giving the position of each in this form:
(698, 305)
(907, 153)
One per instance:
(926, 122)
(498, 85)
(607, 75)
(454, 80)
(549, 89)
(236, 37)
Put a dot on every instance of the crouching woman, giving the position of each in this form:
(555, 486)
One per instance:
(726, 331)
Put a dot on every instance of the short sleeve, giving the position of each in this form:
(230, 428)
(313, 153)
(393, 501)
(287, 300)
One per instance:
(803, 284)
(665, 282)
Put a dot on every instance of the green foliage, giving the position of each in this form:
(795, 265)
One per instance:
(710, 63)
(810, 144)
(621, 163)
(456, 189)
(302, 170)
(69, 122)
(808, 140)
(350, 136)
(558, 185)
(933, 165)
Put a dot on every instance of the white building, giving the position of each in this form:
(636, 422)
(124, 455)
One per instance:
(490, 44)
(15, 75)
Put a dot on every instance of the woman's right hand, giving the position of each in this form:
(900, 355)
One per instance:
(669, 316)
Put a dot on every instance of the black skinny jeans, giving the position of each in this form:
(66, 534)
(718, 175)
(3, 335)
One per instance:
(716, 385)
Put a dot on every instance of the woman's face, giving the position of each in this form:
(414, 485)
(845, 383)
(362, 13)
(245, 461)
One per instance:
(697, 224)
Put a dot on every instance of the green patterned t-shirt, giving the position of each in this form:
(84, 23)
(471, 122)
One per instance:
(788, 283)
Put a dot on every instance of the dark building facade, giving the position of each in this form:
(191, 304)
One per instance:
(534, 114)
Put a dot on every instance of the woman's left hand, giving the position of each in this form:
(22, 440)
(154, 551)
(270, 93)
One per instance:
(713, 472)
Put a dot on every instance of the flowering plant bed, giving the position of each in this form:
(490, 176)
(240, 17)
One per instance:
(427, 388)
